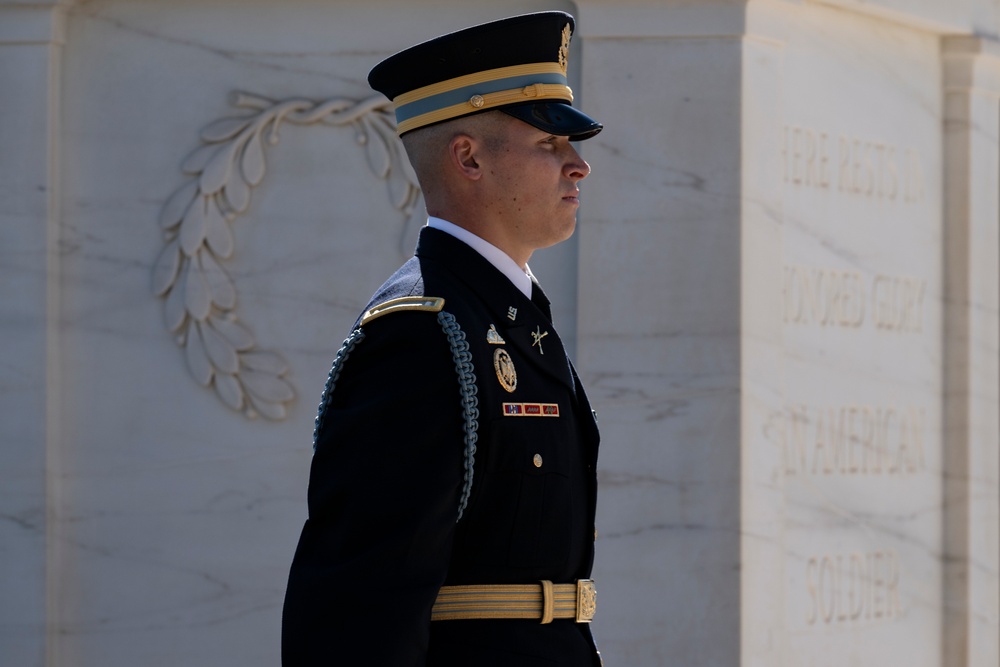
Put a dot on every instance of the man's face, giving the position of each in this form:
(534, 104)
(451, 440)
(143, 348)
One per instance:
(533, 182)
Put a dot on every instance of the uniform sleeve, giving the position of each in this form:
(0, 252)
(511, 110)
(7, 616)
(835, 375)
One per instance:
(384, 492)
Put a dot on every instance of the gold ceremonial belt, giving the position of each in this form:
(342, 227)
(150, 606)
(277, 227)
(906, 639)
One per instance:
(544, 601)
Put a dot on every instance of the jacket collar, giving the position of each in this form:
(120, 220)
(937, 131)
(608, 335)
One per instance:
(522, 324)
(498, 258)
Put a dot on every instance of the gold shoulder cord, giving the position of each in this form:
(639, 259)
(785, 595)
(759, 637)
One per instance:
(431, 304)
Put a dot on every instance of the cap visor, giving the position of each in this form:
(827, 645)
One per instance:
(556, 118)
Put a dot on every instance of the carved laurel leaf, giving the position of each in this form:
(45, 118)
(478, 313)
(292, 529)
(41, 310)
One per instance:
(193, 227)
(198, 363)
(252, 164)
(217, 171)
(238, 336)
(225, 128)
(221, 290)
(237, 192)
(265, 362)
(244, 100)
(229, 390)
(220, 351)
(266, 387)
(272, 411)
(197, 300)
(199, 295)
(174, 312)
(179, 202)
(166, 268)
(196, 161)
(217, 232)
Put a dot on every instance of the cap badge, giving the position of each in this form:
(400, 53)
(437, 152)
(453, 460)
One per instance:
(564, 49)
(538, 336)
(504, 366)
(493, 336)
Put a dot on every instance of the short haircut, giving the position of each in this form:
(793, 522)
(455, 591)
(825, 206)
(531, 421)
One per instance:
(426, 146)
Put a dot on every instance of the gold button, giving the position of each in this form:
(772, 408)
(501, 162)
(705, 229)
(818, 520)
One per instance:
(537, 460)
(477, 101)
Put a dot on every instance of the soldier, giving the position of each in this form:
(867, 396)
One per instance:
(453, 488)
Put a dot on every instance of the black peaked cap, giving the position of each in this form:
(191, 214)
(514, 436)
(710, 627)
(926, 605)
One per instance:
(516, 65)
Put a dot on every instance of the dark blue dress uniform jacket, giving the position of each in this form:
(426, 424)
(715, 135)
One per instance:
(388, 480)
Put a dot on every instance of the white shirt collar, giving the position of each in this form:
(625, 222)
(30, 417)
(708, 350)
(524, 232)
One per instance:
(522, 279)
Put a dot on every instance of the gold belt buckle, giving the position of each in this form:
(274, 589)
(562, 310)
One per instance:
(586, 600)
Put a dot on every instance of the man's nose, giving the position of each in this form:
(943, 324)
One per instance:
(577, 168)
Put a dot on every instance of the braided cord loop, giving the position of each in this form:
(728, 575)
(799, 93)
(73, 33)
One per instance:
(343, 353)
(465, 370)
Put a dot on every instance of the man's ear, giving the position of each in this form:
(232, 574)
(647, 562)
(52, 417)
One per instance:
(463, 151)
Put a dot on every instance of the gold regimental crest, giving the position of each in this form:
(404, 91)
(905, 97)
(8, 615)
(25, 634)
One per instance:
(504, 366)
(564, 49)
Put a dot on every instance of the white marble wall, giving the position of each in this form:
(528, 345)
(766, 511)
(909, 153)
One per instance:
(860, 427)
(791, 223)
(29, 103)
(780, 374)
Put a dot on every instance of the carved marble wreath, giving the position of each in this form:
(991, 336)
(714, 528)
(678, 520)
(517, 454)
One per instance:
(199, 296)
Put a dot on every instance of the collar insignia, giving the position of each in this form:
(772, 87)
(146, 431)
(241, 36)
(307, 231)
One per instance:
(538, 336)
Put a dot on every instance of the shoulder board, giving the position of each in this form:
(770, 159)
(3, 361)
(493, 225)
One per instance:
(431, 304)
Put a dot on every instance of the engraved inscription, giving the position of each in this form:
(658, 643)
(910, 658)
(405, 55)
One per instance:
(854, 440)
(863, 167)
(898, 303)
(806, 157)
(827, 297)
(853, 588)
(836, 298)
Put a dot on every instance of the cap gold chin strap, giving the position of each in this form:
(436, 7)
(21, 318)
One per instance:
(489, 101)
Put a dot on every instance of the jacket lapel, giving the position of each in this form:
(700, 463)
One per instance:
(536, 340)
(520, 322)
